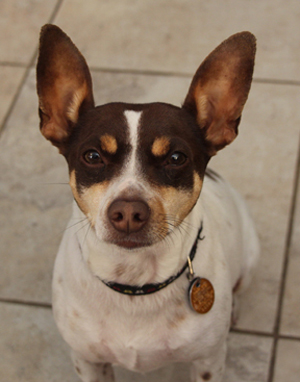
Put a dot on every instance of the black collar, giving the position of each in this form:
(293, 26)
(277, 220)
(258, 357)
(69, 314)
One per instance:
(133, 290)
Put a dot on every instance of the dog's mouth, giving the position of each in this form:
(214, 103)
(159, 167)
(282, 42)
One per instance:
(133, 241)
(128, 241)
(130, 244)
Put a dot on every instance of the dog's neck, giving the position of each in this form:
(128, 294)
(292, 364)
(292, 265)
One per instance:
(140, 266)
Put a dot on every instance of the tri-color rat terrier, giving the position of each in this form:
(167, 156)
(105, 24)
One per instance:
(147, 215)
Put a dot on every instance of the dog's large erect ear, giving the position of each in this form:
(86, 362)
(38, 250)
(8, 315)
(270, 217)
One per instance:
(220, 89)
(64, 85)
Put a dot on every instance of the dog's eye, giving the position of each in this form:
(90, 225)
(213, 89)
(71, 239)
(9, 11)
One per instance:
(92, 157)
(176, 159)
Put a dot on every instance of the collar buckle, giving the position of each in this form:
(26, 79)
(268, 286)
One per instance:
(190, 275)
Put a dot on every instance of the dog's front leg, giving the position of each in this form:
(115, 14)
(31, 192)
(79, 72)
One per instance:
(210, 369)
(92, 372)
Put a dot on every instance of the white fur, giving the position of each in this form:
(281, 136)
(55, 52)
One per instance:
(142, 333)
(133, 118)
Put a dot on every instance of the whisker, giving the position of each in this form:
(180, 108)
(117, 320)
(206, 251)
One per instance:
(73, 225)
(182, 223)
(88, 223)
(183, 226)
(87, 232)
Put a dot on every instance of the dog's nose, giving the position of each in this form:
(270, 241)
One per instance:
(128, 216)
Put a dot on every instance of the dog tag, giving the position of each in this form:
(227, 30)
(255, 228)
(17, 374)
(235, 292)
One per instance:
(201, 295)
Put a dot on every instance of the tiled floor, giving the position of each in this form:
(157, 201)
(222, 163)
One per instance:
(143, 51)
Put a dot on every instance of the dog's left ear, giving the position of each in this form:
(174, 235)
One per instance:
(64, 85)
(220, 88)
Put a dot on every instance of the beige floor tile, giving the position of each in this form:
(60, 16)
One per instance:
(29, 242)
(20, 22)
(34, 173)
(10, 78)
(34, 205)
(31, 348)
(248, 358)
(177, 35)
(111, 87)
(290, 322)
(287, 361)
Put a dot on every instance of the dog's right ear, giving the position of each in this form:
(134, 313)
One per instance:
(64, 85)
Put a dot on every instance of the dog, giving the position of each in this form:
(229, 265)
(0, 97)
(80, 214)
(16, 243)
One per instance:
(158, 246)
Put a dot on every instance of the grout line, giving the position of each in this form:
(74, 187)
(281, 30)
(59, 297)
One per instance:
(274, 81)
(277, 335)
(14, 100)
(290, 338)
(145, 72)
(50, 21)
(13, 64)
(55, 11)
(25, 76)
(149, 72)
(13, 301)
(250, 332)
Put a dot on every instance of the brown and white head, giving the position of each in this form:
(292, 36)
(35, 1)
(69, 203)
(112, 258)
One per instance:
(136, 170)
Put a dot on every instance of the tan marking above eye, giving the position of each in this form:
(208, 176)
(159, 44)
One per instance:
(160, 146)
(109, 144)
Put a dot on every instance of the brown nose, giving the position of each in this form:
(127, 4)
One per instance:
(128, 216)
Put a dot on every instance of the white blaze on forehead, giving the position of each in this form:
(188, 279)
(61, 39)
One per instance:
(133, 119)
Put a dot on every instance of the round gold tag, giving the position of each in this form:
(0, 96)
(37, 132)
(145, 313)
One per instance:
(201, 295)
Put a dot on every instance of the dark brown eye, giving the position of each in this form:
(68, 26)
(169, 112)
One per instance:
(176, 159)
(92, 157)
